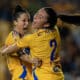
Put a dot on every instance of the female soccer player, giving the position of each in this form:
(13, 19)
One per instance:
(44, 44)
(18, 69)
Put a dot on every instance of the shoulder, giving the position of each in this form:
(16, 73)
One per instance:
(9, 37)
(30, 36)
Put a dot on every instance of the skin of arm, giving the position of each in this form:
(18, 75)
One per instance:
(13, 48)
(27, 58)
(10, 49)
(35, 61)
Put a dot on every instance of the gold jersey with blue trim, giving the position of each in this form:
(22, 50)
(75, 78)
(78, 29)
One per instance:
(45, 45)
(18, 70)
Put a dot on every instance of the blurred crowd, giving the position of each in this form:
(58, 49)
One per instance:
(70, 38)
(70, 50)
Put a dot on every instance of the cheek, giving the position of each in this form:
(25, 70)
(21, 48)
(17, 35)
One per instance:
(21, 23)
(41, 22)
(37, 20)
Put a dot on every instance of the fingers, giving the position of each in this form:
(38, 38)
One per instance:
(37, 62)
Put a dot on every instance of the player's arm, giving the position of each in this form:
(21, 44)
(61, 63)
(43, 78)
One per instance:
(3, 47)
(37, 62)
(27, 58)
(9, 50)
(24, 56)
(16, 46)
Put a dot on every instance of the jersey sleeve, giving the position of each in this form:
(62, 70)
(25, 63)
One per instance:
(24, 42)
(8, 40)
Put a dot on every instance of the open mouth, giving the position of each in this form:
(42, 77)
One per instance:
(25, 28)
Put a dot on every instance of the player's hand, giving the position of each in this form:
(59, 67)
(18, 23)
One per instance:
(37, 62)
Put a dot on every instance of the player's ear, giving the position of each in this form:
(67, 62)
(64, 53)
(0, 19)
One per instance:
(15, 22)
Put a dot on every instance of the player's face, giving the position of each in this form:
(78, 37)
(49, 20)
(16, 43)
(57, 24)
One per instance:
(22, 22)
(40, 19)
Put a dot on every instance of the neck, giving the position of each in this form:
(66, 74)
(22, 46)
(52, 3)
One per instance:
(21, 32)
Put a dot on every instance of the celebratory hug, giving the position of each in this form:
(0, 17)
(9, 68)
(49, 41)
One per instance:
(34, 56)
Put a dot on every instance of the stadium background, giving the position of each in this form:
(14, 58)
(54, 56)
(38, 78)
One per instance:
(69, 30)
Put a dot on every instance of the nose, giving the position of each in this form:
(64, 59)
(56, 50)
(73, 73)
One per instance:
(26, 24)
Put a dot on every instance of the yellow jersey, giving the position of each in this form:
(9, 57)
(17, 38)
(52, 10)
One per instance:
(17, 68)
(44, 44)
(11, 39)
